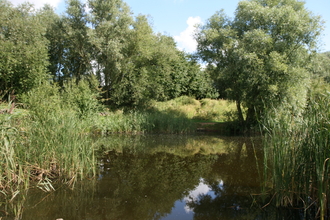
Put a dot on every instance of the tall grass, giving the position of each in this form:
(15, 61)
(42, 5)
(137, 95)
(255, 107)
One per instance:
(174, 116)
(204, 109)
(43, 150)
(11, 169)
(50, 142)
(61, 146)
(297, 150)
(144, 122)
(58, 134)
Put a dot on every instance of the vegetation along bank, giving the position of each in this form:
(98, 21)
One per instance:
(101, 71)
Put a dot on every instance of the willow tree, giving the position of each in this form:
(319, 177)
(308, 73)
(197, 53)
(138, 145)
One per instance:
(23, 49)
(258, 57)
(69, 48)
(111, 24)
(78, 47)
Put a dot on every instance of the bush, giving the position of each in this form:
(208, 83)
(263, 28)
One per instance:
(48, 98)
(81, 97)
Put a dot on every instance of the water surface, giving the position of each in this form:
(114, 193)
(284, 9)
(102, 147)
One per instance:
(161, 177)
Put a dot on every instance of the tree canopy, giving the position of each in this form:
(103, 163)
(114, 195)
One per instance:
(23, 53)
(131, 62)
(258, 58)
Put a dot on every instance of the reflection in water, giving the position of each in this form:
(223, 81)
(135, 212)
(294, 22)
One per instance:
(149, 177)
(201, 190)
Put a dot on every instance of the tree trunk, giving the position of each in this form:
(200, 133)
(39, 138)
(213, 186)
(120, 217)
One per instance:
(251, 117)
(240, 113)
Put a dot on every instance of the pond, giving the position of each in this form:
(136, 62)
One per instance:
(161, 177)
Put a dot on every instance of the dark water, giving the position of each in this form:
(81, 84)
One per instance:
(162, 177)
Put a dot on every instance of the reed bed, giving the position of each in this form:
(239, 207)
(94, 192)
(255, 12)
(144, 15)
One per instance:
(49, 142)
(297, 151)
(174, 116)
(55, 147)
(144, 122)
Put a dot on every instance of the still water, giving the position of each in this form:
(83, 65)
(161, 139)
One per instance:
(161, 177)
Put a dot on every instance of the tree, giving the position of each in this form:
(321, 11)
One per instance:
(23, 53)
(132, 89)
(111, 22)
(258, 58)
(55, 34)
(78, 47)
(320, 66)
(156, 70)
(70, 50)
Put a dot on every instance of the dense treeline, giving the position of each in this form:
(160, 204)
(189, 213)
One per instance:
(131, 63)
(254, 59)
(263, 58)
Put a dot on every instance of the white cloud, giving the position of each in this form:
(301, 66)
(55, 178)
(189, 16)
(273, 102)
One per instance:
(185, 40)
(37, 3)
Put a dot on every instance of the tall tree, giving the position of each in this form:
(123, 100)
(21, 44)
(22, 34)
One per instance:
(70, 50)
(111, 22)
(78, 48)
(258, 58)
(55, 34)
(131, 91)
(23, 53)
(156, 70)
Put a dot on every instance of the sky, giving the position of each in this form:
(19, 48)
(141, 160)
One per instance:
(177, 18)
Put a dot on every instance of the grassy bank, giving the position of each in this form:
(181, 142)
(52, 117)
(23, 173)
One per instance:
(50, 138)
(181, 115)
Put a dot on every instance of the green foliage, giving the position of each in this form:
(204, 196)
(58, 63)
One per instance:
(258, 59)
(78, 47)
(204, 109)
(23, 54)
(297, 152)
(133, 64)
(320, 66)
(156, 70)
(69, 48)
(8, 169)
(81, 97)
(43, 100)
(111, 21)
(144, 122)
(49, 142)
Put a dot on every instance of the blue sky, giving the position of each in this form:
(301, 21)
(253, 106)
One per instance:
(177, 17)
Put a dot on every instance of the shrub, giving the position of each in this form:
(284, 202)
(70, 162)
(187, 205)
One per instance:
(81, 97)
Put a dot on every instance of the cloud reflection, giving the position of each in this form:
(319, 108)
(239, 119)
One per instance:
(201, 189)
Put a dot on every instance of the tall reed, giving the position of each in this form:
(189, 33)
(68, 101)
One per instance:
(60, 145)
(51, 142)
(144, 122)
(297, 151)
(12, 172)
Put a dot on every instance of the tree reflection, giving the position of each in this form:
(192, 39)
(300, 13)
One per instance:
(147, 186)
(240, 179)
(140, 184)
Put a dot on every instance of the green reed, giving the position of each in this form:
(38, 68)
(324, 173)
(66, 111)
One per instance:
(297, 152)
(143, 122)
(60, 144)
(43, 149)
(11, 169)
